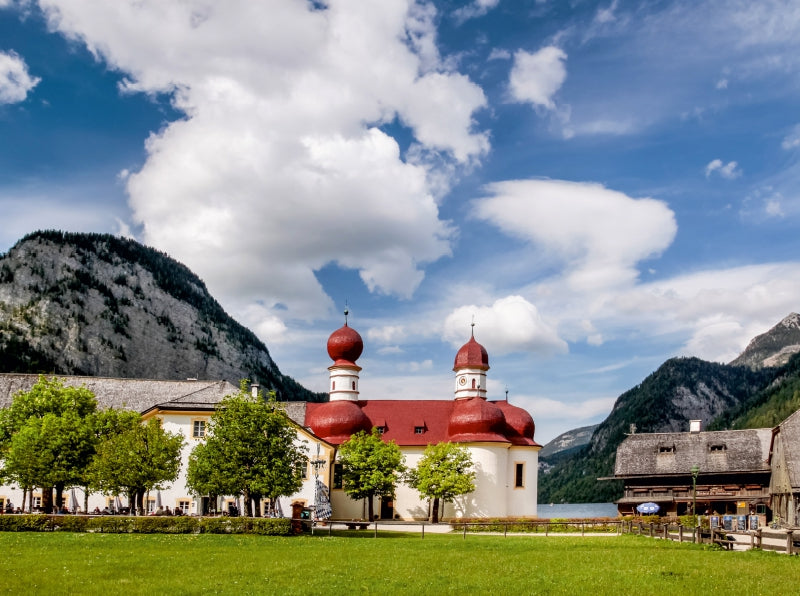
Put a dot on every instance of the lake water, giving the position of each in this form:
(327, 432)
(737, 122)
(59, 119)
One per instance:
(573, 510)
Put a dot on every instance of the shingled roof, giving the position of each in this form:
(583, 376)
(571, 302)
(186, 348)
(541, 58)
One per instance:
(714, 452)
(129, 394)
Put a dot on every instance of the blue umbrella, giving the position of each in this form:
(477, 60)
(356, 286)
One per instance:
(647, 508)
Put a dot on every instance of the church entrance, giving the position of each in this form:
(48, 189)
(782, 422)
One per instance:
(387, 509)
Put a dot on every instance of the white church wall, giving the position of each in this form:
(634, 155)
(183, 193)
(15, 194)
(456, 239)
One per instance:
(522, 500)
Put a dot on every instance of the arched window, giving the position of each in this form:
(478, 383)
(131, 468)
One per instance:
(354, 385)
(333, 384)
(473, 383)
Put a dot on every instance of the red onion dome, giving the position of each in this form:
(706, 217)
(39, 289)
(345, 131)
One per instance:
(472, 355)
(520, 425)
(345, 345)
(476, 419)
(336, 421)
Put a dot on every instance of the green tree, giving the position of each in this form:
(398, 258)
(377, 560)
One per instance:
(46, 437)
(250, 450)
(370, 467)
(140, 457)
(443, 473)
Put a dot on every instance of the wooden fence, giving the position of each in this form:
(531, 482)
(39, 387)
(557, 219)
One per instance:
(546, 527)
(783, 541)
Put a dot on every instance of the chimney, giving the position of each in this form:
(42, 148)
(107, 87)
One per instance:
(694, 426)
(254, 389)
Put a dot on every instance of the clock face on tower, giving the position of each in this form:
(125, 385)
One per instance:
(462, 381)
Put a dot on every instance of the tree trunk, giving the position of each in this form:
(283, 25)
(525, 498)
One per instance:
(59, 495)
(139, 497)
(247, 511)
(257, 505)
(86, 499)
(371, 509)
(435, 511)
(47, 499)
(24, 498)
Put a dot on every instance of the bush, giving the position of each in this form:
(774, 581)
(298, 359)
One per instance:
(117, 524)
(24, 523)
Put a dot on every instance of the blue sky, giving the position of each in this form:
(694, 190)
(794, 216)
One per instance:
(599, 185)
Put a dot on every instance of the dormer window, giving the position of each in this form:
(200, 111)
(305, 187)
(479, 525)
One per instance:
(380, 429)
(418, 430)
(718, 448)
(666, 449)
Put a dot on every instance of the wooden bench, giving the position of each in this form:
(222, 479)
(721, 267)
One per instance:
(358, 525)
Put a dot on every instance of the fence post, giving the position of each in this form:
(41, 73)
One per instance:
(666, 531)
(583, 527)
(789, 542)
(376, 528)
(547, 529)
(652, 529)
(465, 531)
(758, 538)
(680, 532)
(505, 529)
(423, 530)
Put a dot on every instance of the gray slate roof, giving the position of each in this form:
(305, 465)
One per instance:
(647, 454)
(129, 394)
(142, 395)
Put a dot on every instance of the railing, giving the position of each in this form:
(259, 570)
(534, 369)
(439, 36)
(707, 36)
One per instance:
(703, 493)
(546, 527)
(783, 541)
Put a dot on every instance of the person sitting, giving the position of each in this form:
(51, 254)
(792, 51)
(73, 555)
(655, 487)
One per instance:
(96, 511)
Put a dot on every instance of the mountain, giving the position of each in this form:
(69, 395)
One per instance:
(773, 348)
(758, 389)
(682, 389)
(100, 305)
(566, 442)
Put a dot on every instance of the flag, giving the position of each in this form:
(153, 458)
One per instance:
(322, 501)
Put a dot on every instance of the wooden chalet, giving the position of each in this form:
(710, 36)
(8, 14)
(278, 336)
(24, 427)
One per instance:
(732, 472)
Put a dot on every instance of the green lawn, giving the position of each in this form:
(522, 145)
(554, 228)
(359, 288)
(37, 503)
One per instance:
(64, 563)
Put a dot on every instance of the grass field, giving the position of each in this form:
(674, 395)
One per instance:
(65, 563)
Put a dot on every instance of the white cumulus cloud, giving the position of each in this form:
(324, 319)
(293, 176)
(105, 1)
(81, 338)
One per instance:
(510, 324)
(283, 164)
(599, 234)
(728, 170)
(15, 80)
(536, 78)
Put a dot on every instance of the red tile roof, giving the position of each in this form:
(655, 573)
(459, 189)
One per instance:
(400, 418)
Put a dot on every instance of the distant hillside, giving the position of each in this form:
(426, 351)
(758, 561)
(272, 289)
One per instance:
(682, 389)
(773, 348)
(568, 441)
(99, 305)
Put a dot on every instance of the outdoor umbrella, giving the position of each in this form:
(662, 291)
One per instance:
(647, 508)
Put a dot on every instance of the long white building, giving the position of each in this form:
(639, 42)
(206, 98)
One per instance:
(499, 436)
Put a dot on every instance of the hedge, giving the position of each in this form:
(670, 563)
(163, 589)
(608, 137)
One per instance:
(113, 524)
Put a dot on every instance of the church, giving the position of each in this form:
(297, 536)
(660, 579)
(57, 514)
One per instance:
(498, 435)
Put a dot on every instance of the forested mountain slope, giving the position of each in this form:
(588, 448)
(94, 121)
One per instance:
(682, 389)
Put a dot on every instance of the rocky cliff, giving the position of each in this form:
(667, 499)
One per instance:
(100, 305)
(773, 348)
